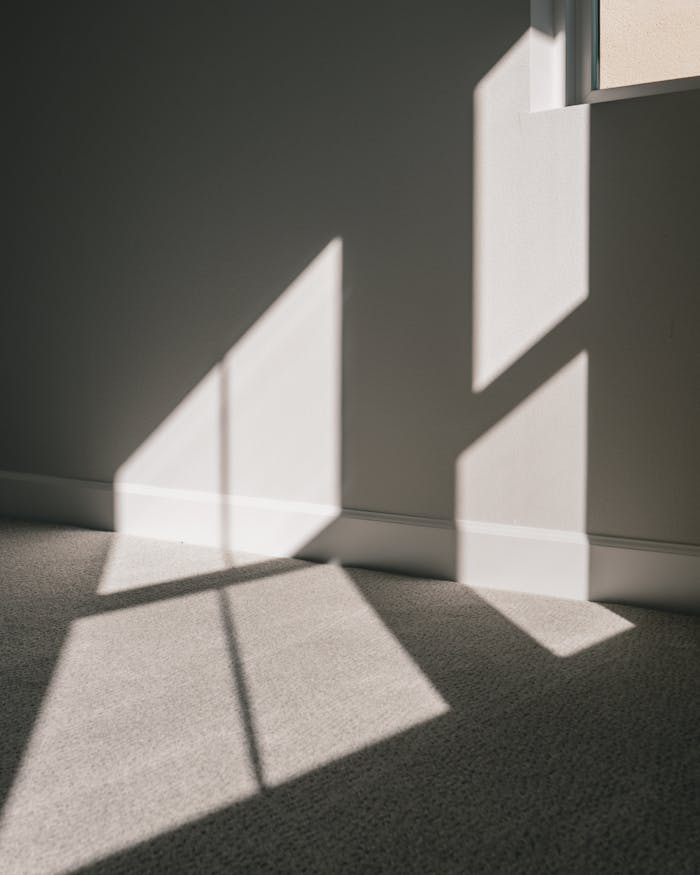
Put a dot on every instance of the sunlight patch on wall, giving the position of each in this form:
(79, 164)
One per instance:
(530, 468)
(521, 493)
(283, 391)
(184, 451)
(160, 713)
(255, 446)
(566, 628)
(530, 212)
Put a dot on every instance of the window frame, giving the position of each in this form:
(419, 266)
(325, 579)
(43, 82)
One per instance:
(585, 15)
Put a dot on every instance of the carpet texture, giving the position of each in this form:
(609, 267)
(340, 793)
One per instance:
(170, 709)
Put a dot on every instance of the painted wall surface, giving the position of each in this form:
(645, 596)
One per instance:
(488, 313)
(648, 41)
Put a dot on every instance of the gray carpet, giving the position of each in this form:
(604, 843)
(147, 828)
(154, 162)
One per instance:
(173, 709)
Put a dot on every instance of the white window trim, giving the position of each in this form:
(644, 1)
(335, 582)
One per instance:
(643, 89)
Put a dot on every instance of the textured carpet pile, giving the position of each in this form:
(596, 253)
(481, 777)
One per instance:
(172, 709)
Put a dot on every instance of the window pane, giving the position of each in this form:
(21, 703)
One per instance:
(648, 41)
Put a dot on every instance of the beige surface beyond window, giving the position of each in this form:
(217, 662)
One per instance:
(648, 41)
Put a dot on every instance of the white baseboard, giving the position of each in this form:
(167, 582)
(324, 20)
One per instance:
(523, 559)
(539, 561)
(237, 523)
(651, 573)
(318, 532)
(419, 546)
(579, 566)
(66, 500)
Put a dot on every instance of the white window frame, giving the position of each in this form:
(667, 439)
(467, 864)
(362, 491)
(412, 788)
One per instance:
(582, 18)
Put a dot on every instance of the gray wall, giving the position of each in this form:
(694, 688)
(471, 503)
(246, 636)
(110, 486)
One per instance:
(644, 377)
(173, 167)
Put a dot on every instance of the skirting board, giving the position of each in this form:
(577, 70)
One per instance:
(539, 561)
(324, 533)
(87, 503)
(523, 559)
(579, 566)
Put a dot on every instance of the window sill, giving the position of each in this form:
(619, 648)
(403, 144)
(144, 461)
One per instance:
(643, 89)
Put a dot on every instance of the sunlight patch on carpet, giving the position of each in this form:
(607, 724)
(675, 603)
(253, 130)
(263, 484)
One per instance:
(160, 713)
(564, 627)
(326, 677)
(133, 562)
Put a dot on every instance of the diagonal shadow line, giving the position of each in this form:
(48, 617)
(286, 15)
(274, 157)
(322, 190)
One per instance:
(533, 368)
(241, 688)
(190, 585)
(34, 624)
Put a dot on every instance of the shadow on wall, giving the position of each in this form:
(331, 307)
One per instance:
(211, 192)
(644, 367)
(178, 172)
(250, 459)
(523, 482)
(230, 151)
